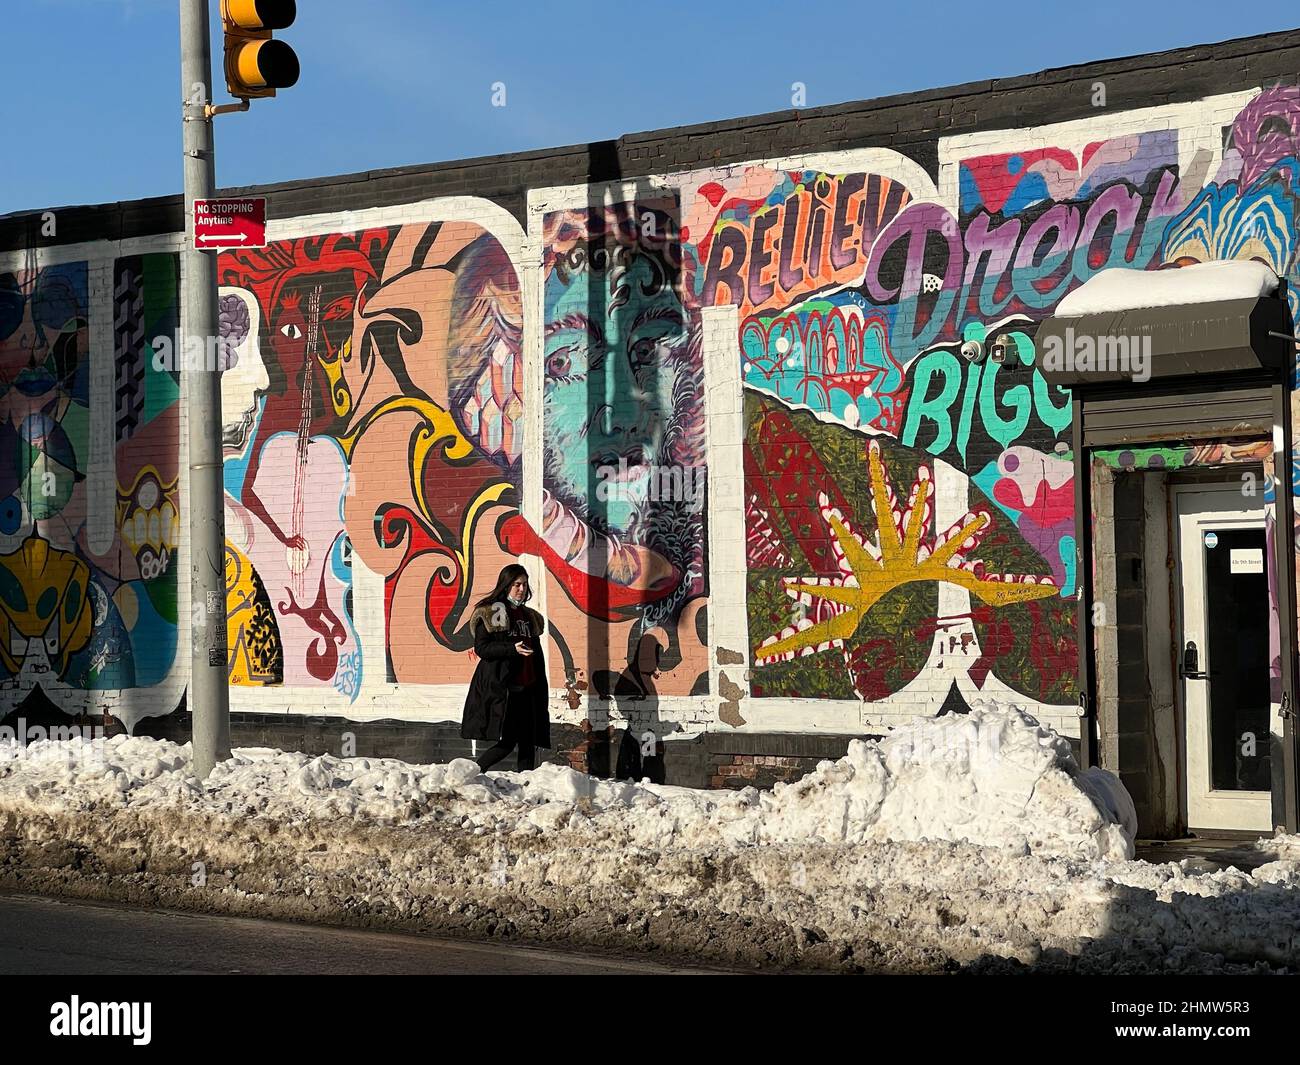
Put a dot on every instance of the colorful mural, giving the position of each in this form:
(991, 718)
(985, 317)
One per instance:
(623, 449)
(855, 293)
(1249, 210)
(906, 512)
(372, 411)
(136, 638)
(875, 563)
(288, 313)
(86, 606)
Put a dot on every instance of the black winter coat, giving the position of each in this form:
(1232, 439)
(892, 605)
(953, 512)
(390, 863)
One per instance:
(485, 705)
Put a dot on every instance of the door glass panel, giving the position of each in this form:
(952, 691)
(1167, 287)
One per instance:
(1236, 609)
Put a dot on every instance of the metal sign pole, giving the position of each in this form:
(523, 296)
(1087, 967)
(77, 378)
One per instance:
(209, 700)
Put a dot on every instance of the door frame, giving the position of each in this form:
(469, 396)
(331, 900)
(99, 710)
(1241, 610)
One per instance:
(1202, 805)
(1200, 418)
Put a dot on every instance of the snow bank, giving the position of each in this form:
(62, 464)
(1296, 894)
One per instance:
(970, 839)
(1281, 846)
(993, 777)
(1118, 289)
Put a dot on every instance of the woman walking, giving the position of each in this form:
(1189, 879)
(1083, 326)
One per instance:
(508, 692)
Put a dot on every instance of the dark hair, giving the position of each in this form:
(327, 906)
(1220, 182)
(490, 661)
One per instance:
(509, 574)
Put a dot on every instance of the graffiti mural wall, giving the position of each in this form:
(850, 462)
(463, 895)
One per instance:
(853, 294)
(623, 451)
(414, 396)
(89, 520)
(372, 414)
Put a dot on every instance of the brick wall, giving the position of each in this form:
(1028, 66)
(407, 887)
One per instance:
(776, 302)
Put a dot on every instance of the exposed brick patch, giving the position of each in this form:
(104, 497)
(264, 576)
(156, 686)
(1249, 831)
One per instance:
(729, 708)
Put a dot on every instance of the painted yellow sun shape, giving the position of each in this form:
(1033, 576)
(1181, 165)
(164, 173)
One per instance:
(870, 572)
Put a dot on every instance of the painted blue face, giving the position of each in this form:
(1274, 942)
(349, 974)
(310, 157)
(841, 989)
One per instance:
(41, 320)
(609, 388)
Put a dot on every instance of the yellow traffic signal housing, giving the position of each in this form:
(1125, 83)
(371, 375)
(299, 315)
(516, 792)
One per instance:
(256, 63)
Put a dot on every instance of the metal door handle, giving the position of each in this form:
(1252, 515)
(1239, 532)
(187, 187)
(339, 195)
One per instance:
(1189, 667)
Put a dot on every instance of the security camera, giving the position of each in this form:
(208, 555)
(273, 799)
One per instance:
(1003, 349)
(972, 351)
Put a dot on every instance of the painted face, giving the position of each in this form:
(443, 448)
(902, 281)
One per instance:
(42, 330)
(609, 388)
(43, 339)
(245, 376)
(291, 329)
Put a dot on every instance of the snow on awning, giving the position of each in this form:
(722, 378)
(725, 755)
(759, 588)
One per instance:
(1118, 289)
(1126, 327)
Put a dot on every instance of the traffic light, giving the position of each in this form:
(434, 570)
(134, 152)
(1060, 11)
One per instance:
(256, 63)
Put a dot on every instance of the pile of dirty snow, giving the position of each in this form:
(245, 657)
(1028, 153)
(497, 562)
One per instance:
(972, 839)
(993, 777)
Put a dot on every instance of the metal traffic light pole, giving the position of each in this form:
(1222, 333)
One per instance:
(209, 697)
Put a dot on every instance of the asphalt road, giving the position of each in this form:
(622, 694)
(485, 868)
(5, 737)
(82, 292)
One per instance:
(43, 936)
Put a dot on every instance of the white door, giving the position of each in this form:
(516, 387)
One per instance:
(1223, 657)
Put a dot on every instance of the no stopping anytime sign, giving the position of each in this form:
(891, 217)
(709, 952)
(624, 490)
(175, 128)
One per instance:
(238, 223)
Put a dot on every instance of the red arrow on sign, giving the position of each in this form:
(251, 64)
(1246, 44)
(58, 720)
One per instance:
(229, 223)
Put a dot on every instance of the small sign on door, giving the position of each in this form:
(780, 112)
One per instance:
(1246, 560)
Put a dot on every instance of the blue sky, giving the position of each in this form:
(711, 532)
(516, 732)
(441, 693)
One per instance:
(89, 88)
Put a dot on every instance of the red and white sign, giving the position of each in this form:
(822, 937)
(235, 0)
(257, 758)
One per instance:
(222, 224)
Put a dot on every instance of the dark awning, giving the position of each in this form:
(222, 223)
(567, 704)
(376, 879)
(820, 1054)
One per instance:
(1188, 340)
